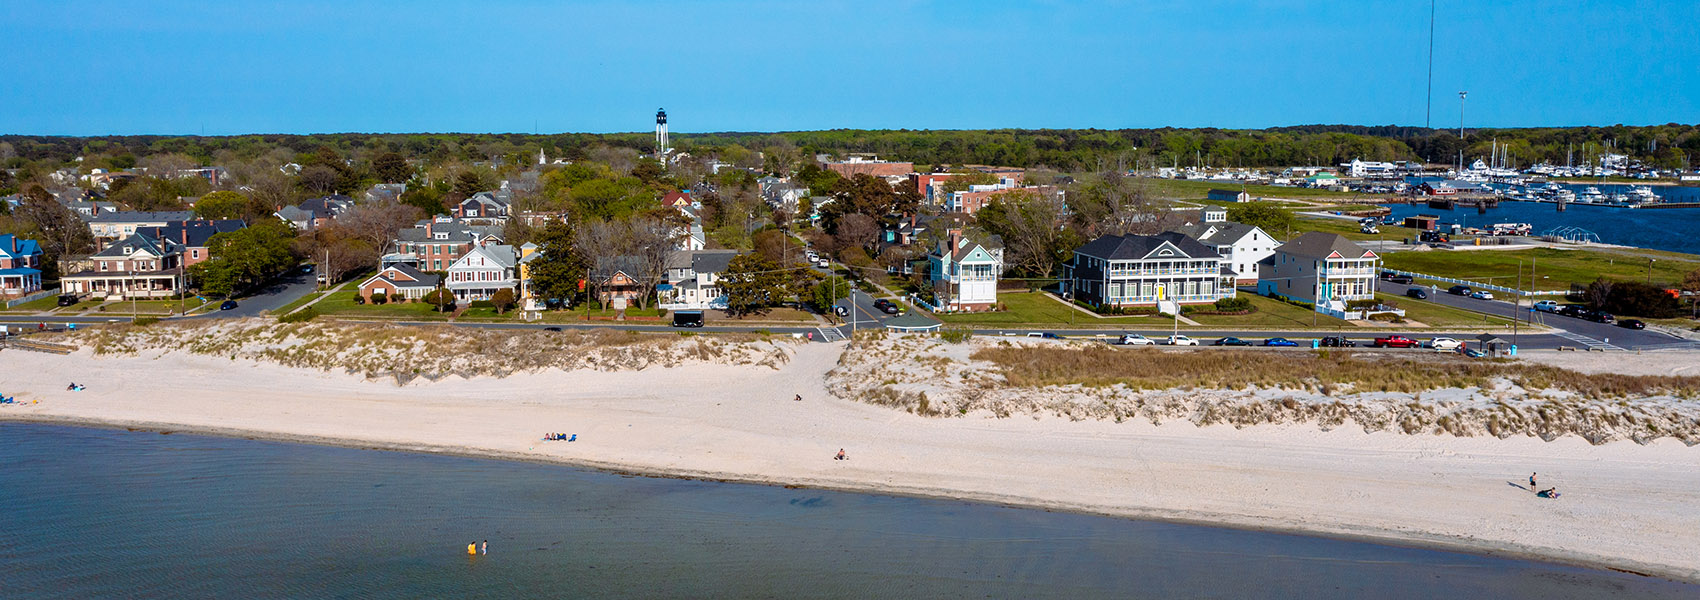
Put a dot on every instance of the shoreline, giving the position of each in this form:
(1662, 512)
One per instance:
(1628, 507)
(1221, 521)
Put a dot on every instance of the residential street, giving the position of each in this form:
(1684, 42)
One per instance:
(1578, 332)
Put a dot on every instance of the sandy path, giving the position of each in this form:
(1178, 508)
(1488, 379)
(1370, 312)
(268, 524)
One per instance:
(1625, 505)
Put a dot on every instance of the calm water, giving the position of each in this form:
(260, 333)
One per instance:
(93, 513)
(1673, 229)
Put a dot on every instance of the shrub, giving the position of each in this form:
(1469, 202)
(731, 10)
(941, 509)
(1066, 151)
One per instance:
(956, 335)
(1362, 304)
(480, 304)
(1234, 304)
(379, 299)
(502, 300)
(144, 321)
(442, 299)
(304, 315)
(397, 298)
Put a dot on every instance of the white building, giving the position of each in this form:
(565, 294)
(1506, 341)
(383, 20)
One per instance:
(483, 270)
(1241, 246)
(964, 272)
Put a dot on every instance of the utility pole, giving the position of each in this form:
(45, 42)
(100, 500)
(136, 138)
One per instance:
(1650, 270)
(1428, 115)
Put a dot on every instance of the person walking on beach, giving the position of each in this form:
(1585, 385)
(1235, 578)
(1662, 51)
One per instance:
(1532, 482)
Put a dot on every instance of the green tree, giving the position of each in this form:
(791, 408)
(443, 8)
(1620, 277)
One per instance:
(828, 291)
(441, 298)
(1268, 215)
(391, 167)
(221, 205)
(752, 284)
(245, 257)
(559, 267)
(503, 300)
(472, 181)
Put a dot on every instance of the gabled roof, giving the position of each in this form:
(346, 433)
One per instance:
(130, 216)
(25, 247)
(503, 256)
(1135, 247)
(1225, 232)
(712, 261)
(419, 279)
(1322, 246)
(193, 233)
(138, 242)
(967, 245)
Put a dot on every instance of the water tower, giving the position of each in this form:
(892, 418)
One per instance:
(660, 132)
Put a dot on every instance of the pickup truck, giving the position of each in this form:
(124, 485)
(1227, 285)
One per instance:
(1395, 341)
(1546, 306)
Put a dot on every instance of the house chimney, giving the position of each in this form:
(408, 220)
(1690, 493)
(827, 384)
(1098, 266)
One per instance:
(428, 229)
(955, 238)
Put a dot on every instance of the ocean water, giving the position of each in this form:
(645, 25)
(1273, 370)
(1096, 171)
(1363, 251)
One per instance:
(1672, 229)
(93, 513)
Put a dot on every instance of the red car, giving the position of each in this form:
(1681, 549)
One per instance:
(1395, 341)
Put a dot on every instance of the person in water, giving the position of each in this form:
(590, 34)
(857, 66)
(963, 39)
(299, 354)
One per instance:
(484, 547)
(472, 548)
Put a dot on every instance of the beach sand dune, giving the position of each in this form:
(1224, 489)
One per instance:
(1625, 505)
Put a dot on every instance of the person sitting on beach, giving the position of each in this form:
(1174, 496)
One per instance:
(799, 398)
(841, 455)
(1551, 492)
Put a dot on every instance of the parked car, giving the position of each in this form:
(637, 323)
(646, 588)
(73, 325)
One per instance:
(1459, 290)
(1230, 341)
(1335, 341)
(1044, 335)
(68, 299)
(1600, 316)
(1280, 341)
(1631, 324)
(1572, 310)
(1482, 295)
(551, 328)
(822, 263)
(1418, 293)
(687, 318)
(1134, 339)
(1445, 343)
(1180, 340)
(1401, 279)
(228, 305)
(1394, 341)
(1474, 353)
(1550, 306)
(887, 306)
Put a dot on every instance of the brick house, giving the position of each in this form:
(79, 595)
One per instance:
(399, 280)
(136, 266)
(20, 266)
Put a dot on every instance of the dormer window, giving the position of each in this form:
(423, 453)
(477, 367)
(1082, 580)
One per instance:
(128, 250)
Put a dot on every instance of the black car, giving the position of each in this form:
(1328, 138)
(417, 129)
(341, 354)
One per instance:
(1631, 324)
(1400, 279)
(886, 306)
(1418, 293)
(1459, 290)
(1335, 341)
(1572, 310)
(551, 328)
(68, 299)
(1600, 316)
(1231, 341)
(687, 318)
(228, 305)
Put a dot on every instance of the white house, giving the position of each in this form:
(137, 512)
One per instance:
(1140, 270)
(693, 279)
(964, 272)
(1241, 246)
(1324, 269)
(483, 270)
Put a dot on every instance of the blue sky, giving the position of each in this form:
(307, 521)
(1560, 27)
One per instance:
(87, 67)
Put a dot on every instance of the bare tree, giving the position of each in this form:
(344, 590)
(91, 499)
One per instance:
(319, 179)
(859, 230)
(165, 165)
(1598, 292)
(651, 243)
(600, 243)
(619, 159)
(376, 222)
(1032, 227)
(337, 249)
(1117, 205)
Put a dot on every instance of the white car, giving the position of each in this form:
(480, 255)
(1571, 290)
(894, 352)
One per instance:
(1482, 295)
(1134, 339)
(1180, 340)
(1445, 344)
(1550, 306)
(822, 263)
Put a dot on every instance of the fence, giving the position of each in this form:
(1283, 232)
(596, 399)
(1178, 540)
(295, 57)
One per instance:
(33, 297)
(1482, 286)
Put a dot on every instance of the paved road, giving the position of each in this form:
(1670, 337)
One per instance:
(282, 290)
(1578, 332)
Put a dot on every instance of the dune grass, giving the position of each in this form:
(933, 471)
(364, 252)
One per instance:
(1152, 369)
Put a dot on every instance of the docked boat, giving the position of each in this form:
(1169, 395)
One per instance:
(1643, 195)
(1591, 195)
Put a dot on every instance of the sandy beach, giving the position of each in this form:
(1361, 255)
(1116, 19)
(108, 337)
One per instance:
(1625, 505)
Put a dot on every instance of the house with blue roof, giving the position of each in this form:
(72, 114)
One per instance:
(20, 266)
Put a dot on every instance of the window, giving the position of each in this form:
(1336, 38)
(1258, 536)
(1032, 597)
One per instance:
(196, 253)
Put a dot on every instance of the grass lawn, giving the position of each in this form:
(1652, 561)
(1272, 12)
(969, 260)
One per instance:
(1037, 308)
(341, 304)
(1557, 269)
(1270, 314)
(1186, 189)
(1344, 227)
(1440, 315)
(37, 305)
(776, 315)
(285, 309)
(144, 307)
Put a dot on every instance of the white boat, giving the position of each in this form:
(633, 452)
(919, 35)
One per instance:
(1643, 195)
(1590, 195)
(1563, 195)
